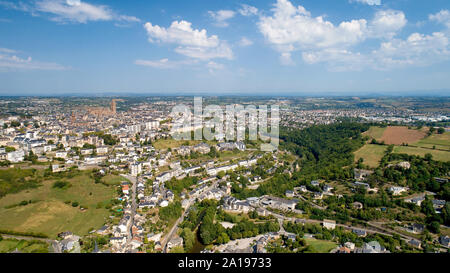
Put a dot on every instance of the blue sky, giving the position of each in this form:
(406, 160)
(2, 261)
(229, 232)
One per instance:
(302, 47)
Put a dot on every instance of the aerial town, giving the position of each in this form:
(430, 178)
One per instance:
(106, 175)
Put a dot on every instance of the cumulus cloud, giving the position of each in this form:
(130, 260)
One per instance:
(247, 10)
(417, 50)
(220, 17)
(10, 61)
(290, 29)
(442, 17)
(368, 2)
(70, 11)
(387, 23)
(190, 42)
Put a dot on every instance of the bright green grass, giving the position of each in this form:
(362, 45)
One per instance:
(321, 246)
(9, 245)
(375, 132)
(437, 155)
(371, 153)
(440, 141)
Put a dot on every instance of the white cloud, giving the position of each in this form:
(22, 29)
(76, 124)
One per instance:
(286, 58)
(336, 59)
(204, 53)
(127, 18)
(244, 42)
(76, 11)
(442, 17)
(10, 61)
(7, 50)
(16, 6)
(290, 29)
(220, 17)
(368, 2)
(164, 63)
(387, 23)
(417, 50)
(215, 66)
(247, 10)
(191, 42)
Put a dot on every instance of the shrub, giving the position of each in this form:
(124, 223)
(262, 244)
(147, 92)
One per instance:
(61, 185)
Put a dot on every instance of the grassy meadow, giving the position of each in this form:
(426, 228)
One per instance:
(371, 154)
(53, 210)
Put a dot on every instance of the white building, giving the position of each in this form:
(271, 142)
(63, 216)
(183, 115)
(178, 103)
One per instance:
(136, 169)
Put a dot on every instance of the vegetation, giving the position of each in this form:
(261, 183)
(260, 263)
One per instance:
(437, 154)
(371, 154)
(16, 179)
(325, 151)
(207, 217)
(342, 236)
(61, 185)
(51, 212)
(108, 139)
(177, 186)
(171, 212)
(23, 246)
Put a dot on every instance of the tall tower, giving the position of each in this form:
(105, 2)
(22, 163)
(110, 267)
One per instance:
(113, 106)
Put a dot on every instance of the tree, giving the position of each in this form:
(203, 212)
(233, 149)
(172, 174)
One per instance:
(223, 238)
(31, 157)
(434, 227)
(189, 238)
(427, 207)
(446, 214)
(441, 130)
(15, 124)
(221, 174)
(178, 249)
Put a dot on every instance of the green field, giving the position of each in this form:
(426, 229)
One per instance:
(440, 141)
(114, 180)
(321, 246)
(15, 180)
(10, 245)
(371, 153)
(51, 211)
(437, 154)
(375, 132)
(162, 144)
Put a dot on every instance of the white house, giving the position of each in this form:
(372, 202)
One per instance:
(329, 224)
